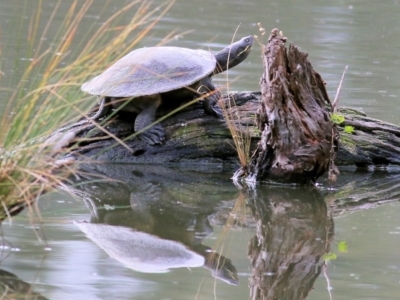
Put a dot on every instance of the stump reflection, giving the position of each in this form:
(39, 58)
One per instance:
(293, 233)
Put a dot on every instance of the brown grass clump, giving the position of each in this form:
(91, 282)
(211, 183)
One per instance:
(48, 93)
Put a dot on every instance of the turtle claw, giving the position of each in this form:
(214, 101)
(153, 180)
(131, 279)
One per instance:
(155, 135)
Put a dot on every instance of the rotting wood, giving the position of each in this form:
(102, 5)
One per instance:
(294, 117)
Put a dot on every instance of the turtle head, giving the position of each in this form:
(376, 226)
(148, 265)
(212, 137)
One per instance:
(234, 54)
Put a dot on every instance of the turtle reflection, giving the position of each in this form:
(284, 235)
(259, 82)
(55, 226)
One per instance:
(146, 233)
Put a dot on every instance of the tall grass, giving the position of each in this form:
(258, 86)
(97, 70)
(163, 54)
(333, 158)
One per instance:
(241, 135)
(48, 94)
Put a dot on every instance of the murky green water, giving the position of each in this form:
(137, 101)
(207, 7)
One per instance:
(185, 211)
(173, 234)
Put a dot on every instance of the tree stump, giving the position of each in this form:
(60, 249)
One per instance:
(297, 132)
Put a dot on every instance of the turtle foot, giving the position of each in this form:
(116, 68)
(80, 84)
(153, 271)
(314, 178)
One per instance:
(155, 135)
(216, 111)
(212, 108)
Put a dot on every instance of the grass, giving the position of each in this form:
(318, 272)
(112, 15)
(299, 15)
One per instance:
(241, 135)
(48, 94)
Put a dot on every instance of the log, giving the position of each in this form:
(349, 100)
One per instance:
(198, 139)
(192, 136)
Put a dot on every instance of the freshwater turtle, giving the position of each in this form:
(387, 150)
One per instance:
(145, 77)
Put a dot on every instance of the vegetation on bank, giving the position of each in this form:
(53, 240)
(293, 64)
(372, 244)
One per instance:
(48, 94)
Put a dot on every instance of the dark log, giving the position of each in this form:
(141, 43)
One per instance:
(14, 287)
(202, 139)
(373, 142)
(192, 136)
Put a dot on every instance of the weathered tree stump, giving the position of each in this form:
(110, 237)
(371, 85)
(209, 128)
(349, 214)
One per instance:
(297, 132)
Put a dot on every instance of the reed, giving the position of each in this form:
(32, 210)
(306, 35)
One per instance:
(241, 134)
(48, 94)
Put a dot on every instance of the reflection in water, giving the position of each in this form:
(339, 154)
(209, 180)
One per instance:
(293, 233)
(140, 251)
(289, 230)
(155, 219)
(11, 287)
(149, 225)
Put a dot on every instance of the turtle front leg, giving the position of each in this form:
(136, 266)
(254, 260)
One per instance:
(104, 109)
(211, 102)
(155, 134)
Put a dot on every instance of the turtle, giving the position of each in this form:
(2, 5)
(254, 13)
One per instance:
(143, 79)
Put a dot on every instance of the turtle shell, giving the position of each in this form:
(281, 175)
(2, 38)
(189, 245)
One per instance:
(152, 70)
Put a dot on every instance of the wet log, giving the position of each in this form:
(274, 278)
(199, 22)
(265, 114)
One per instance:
(198, 139)
(372, 142)
(193, 137)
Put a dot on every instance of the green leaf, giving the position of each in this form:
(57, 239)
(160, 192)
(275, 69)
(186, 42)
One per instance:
(342, 246)
(348, 129)
(329, 256)
(337, 118)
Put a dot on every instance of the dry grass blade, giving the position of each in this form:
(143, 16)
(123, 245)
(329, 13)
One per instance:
(336, 100)
(241, 136)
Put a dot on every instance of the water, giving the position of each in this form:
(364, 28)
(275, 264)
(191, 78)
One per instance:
(62, 263)
(194, 213)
